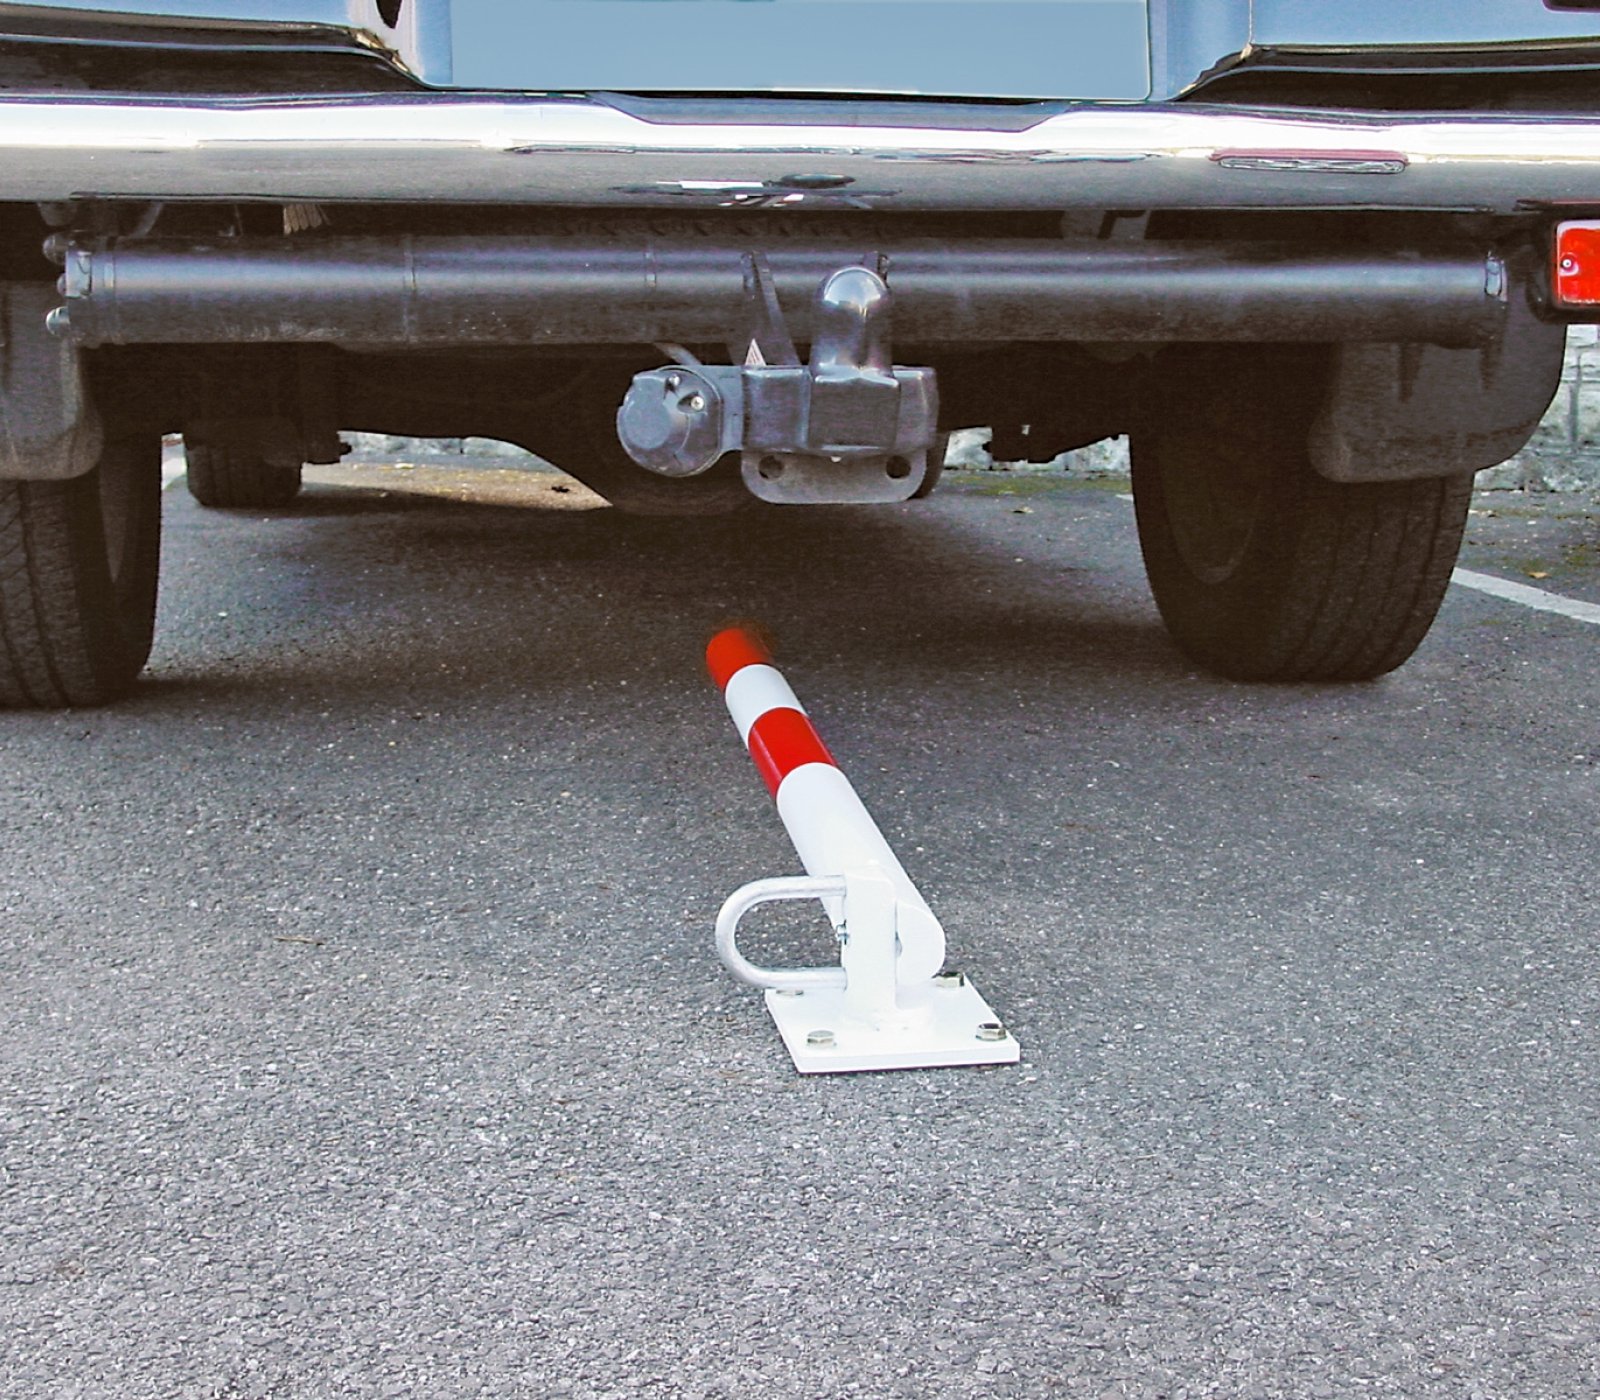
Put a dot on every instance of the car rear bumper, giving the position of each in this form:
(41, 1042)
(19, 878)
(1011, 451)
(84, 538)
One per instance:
(578, 151)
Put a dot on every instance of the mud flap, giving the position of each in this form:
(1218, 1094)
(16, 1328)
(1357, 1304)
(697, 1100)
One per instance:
(1407, 412)
(49, 430)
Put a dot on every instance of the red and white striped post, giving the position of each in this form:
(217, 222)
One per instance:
(887, 1005)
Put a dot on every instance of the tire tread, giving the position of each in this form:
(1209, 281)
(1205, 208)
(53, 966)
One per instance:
(1338, 582)
(232, 478)
(69, 634)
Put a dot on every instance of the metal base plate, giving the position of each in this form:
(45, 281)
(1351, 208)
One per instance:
(942, 1022)
(785, 478)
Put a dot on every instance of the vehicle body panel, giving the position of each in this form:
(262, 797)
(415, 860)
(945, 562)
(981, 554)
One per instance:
(1401, 24)
(1081, 49)
(992, 48)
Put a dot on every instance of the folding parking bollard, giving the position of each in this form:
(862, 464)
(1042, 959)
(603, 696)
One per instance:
(888, 1004)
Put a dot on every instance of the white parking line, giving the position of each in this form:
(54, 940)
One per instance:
(1529, 597)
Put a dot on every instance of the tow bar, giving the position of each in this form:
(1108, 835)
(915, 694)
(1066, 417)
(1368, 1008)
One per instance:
(852, 426)
(889, 1004)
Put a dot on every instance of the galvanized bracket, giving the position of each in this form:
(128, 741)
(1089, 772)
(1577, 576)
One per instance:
(849, 426)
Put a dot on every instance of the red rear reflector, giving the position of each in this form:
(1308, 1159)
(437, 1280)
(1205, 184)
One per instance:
(1575, 277)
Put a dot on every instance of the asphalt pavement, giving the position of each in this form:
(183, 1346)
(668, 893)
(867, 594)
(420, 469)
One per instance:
(361, 1032)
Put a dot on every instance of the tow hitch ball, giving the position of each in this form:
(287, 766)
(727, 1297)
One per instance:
(850, 426)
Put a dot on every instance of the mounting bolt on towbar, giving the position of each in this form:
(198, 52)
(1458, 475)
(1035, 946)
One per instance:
(889, 1003)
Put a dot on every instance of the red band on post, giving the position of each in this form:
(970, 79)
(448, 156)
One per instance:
(780, 741)
(731, 650)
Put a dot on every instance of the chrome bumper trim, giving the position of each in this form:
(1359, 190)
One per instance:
(571, 151)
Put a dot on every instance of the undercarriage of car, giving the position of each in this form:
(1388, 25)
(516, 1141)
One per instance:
(1317, 287)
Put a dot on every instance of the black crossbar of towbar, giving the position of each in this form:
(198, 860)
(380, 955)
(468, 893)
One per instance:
(576, 290)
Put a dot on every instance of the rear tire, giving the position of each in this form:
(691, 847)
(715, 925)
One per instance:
(232, 478)
(78, 567)
(1263, 570)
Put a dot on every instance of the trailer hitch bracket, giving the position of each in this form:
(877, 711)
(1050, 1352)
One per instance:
(847, 426)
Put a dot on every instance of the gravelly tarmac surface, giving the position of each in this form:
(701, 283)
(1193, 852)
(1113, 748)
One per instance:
(361, 1032)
